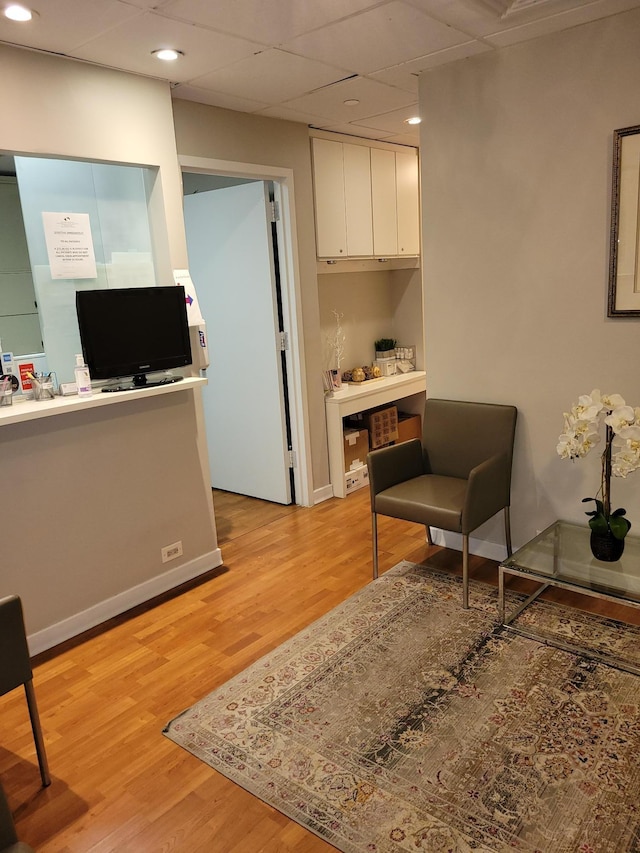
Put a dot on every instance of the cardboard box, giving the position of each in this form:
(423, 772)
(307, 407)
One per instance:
(409, 426)
(356, 447)
(356, 479)
(382, 425)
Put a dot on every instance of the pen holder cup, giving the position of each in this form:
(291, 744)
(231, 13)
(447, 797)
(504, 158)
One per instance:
(6, 396)
(43, 388)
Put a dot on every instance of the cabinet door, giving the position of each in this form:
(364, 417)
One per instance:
(357, 191)
(408, 203)
(383, 194)
(328, 176)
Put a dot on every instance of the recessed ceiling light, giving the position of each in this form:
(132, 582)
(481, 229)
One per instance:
(413, 120)
(18, 13)
(167, 54)
(351, 102)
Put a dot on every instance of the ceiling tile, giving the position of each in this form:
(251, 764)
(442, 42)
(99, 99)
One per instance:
(270, 21)
(518, 29)
(298, 60)
(441, 57)
(412, 139)
(393, 120)
(352, 130)
(272, 76)
(129, 47)
(215, 99)
(474, 17)
(373, 98)
(148, 4)
(377, 38)
(63, 24)
(399, 76)
(283, 112)
(482, 18)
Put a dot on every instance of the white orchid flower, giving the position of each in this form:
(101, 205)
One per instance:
(582, 430)
(626, 461)
(612, 401)
(589, 406)
(620, 417)
(629, 433)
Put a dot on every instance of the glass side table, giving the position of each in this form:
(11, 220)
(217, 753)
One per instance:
(560, 556)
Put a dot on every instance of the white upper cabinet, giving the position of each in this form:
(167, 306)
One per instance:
(357, 192)
(331, 223)
(385, 207)
(408, 203)
(366, 200)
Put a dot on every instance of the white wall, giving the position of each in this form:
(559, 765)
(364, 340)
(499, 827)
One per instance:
(516, 173)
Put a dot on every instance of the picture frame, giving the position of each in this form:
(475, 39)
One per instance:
(624, 252)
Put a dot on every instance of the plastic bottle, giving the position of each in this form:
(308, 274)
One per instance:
(83, 380)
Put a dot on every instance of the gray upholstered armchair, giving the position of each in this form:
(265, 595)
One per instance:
(455, 479)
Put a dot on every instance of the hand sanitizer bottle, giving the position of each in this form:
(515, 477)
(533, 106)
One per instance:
(83, 380)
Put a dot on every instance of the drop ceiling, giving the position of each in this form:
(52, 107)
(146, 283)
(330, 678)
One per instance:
(299, 60)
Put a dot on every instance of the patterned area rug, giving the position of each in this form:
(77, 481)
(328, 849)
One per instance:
(400, 722)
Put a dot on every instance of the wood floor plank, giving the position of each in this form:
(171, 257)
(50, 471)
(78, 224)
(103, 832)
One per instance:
(118, 783)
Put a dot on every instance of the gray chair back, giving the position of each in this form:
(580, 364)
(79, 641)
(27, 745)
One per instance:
(15, 669)
(15, 664)
(457, 436)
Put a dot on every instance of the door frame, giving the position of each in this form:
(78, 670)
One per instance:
(291, 301)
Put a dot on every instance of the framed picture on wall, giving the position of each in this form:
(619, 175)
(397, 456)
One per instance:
(624, 256)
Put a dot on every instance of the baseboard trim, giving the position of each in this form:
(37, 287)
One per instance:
(110, 607)
(480, 547)
(323, 494)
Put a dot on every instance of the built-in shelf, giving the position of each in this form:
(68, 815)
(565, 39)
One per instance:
(27, 410)
(358, 398)
(366, 265)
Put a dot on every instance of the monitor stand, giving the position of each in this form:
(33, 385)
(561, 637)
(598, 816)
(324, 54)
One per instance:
(141, 380)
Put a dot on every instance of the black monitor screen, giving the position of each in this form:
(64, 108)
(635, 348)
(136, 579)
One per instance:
(133, 331)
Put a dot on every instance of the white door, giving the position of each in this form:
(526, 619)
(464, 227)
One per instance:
(232, 266)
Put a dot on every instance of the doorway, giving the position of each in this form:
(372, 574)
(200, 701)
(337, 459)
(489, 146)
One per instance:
(255, 401)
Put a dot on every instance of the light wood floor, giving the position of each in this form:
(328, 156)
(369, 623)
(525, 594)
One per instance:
(118, 783)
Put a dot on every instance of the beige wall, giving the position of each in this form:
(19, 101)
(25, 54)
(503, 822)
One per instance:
(210, 132)
(381, 304)
(53, 106)
(516, 153)
(92, 497)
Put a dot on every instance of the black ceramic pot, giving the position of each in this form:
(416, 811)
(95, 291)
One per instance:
(606, 548)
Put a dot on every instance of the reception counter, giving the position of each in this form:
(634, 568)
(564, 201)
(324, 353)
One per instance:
(93, 489)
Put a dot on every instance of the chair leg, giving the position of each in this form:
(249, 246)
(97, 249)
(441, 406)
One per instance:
(507, 530)
(37, 733)
(465, 571)
(374, 537)
(429, 539)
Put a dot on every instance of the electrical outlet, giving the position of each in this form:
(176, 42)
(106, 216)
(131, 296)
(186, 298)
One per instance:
(170, 552)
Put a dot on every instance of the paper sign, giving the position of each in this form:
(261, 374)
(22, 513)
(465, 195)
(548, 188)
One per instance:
(193, 309)
(69, 245)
